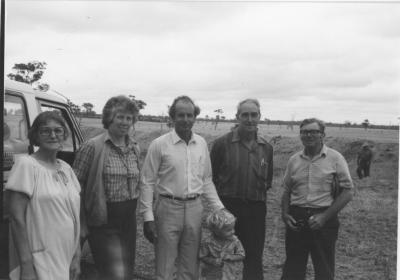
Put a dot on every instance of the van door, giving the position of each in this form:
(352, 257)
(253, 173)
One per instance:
(15, 143)
(15, 129)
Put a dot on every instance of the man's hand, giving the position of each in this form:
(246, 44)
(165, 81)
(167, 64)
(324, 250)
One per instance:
(149, 230)
(289, 221)
(28, 271)
(75, 267)
(84, 231)
(217, 262)
(317, 221)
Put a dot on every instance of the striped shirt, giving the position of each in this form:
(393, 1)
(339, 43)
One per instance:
(309, 181)
(121, 173)
(240, 171)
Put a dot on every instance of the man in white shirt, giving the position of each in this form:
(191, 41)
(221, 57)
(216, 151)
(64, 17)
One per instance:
(178, 169)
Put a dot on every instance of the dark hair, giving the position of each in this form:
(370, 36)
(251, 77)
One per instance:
(184, 98)
(320, 123)
(120, 103)
(248, 100)
(42, 119)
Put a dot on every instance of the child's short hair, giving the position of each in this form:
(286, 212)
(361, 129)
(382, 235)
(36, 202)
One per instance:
(219, 219)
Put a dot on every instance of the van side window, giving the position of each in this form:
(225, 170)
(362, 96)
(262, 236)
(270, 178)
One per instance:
(15, 128)
(68, 145)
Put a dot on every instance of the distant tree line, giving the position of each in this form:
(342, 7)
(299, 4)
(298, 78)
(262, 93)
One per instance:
(31, 72)
(285, 124)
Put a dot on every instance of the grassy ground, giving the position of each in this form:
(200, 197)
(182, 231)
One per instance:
(366, 248)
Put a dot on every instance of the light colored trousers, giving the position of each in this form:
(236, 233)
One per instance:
(179, 234)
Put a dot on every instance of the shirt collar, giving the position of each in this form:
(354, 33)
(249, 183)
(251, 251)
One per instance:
(236, 136)
(322, 153)
(129, 139)
(177, 139)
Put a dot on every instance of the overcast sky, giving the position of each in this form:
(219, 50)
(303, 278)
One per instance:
(335, 61)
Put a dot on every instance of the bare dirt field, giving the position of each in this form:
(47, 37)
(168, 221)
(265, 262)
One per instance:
(366, 248)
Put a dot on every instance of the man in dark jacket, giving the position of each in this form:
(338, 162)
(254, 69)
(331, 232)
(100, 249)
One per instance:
(242, 173)
(364, 161)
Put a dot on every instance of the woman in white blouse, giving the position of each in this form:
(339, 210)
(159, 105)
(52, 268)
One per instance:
(44, 207)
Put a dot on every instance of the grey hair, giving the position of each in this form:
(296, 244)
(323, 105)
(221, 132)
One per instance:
(120, 102)
(248, 100)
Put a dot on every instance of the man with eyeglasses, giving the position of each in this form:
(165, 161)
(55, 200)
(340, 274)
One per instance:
(242, 173)
(310, 203)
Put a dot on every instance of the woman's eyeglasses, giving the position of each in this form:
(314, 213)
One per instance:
(47, 131)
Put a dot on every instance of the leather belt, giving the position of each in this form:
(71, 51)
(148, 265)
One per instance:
(309, 210)
(186, 198)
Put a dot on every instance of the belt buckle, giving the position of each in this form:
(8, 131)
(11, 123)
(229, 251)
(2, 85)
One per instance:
(191, 196)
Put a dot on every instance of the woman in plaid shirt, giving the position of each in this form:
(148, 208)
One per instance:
(107, 166)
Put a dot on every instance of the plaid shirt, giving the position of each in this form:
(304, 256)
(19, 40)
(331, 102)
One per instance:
(240, 172)
(121, 173)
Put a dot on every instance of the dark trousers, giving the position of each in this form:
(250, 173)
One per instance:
(250, 229)
(363, 170)
(113, 245)
(319, 243)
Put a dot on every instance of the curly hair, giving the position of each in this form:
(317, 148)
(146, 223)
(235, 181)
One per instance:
(184, 98)
(42, 119)
(218, 220)
(118, 103)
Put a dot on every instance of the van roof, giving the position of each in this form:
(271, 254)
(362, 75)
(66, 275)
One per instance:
(27, 89)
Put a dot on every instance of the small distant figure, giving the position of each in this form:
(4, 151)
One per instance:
(275, 139)
(364, 159)
(221, 254)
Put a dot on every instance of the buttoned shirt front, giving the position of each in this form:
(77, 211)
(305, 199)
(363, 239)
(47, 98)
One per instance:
(121, 174)
(240, 171)
(309, 181)
(175, 168)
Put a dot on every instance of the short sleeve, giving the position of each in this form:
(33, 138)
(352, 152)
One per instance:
(75, 180)
(343, 173)
(239, 250)
(22, 176)
(204, 250)
(287, 183)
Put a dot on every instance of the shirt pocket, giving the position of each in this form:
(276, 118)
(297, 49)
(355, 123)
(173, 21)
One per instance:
(169, 161)
(323, 181)
(260, 168)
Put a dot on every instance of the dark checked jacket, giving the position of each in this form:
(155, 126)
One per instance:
(240, 172)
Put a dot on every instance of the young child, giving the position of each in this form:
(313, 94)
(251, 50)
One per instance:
(221, 254)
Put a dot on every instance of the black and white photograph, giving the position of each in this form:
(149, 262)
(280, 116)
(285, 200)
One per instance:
(200, 140)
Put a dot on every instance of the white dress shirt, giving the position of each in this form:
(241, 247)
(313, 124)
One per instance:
(175, 168)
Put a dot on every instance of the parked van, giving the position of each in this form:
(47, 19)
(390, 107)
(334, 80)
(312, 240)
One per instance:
(22, 104)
